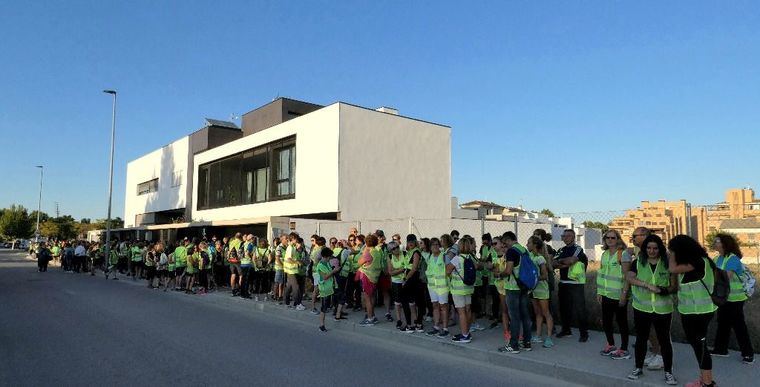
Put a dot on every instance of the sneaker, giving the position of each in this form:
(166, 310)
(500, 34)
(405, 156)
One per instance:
(443, 334)
(607, 350)
(656, 363)
(527, 347)
(648, 358)
(620, 355)
(389, 317)
(462, 338)
(536, 340)
(748, 359)
(300, 307)
(256, 298)
(322, 328)
(493, 325)
(399, 324)
(636, 374)
(419, 328)
(563, 335)
(428, 319)
(407, 330)
(336, 318)
(713, 352)
(433, 332)
(508, 349)
(374, 320)
(314, 311)
(548, 343)
(583, 338)
(366, 323)
(476, 327)
(670, 379)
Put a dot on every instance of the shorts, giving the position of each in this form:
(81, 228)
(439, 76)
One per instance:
(384, 282)
(235, 269)
(179, 271)
(441, 298)
(368, 287)
(137, 264)
(326, 304)
(279, 277)
(163, 273)
(461, 301)
(396, 290)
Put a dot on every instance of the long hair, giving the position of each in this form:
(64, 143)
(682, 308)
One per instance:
(653, 238)
(620, 243)
(686, 250)
(730, 246)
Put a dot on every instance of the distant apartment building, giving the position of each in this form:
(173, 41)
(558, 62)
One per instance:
(739, 214)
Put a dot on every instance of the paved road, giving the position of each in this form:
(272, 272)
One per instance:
(69, 329)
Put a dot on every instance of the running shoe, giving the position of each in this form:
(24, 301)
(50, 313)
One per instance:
(656, 363)
(713, 352)
(536, 340)
(462, 339)
(443, 334)
(407, 330)
(636, 374)
(476, 327)
(419, 328)
(322, 328)
(433, 332)
(366, 323)
(748, 359)
(583, 338)
(548, 343)
(399, 324)
(388, 317)
(620, 355)
(527, 347)
(607, 350)
(648, 358)
(508, 349)
(670, 379)
(374, 320)
(314, 311)
(300, 307)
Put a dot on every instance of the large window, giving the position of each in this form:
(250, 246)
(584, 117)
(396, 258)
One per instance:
(261, 174)
(147, 187)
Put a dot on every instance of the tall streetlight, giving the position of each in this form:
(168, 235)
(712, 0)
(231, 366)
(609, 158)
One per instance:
(110, 178)
(39, 207)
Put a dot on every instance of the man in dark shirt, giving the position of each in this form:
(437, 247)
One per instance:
(572, 301)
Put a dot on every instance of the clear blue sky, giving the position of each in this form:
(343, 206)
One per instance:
(572, 106)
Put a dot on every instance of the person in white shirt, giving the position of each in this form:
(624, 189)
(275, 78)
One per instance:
(80, 255)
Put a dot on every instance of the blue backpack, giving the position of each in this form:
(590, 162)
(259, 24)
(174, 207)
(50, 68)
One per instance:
(528, 275)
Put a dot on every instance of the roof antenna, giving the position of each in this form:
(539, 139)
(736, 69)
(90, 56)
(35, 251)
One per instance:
(276, 97)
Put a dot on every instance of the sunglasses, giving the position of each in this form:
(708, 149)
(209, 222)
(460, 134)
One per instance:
(610, 237)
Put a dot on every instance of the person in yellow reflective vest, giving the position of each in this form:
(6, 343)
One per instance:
(370, 266)
(696, 281)
(731, 314)
(540, 295)
(324, 276)
(571, 262)
(652, 288)
(461, 293)
(292, 265)
(612, 293)
(279, 271)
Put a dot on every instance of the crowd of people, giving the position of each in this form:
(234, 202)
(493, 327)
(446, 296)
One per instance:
(452, 281)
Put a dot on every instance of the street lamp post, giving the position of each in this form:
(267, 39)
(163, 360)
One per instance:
(39, 208)
(107, 258)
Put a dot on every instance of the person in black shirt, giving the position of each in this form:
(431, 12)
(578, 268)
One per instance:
(572, 300)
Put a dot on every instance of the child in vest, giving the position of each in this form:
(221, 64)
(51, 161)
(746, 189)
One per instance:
(324, 273)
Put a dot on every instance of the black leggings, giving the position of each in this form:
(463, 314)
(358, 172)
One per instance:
(661, 322)
(612, 309)
(731, 315)
(695, 327)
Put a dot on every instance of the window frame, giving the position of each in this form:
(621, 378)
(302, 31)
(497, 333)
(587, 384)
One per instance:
(151, 186)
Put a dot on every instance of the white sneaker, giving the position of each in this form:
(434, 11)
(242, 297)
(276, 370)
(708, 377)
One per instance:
(300, 307)
(656, 363)
(476, 327)
(256, 298)
(648, 358)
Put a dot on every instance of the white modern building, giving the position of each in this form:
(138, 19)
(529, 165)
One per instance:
(290, 159)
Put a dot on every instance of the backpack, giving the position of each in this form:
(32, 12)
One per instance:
(748, 281)
(204, 259)
(721, 287)
(528, 276)
(470, 274)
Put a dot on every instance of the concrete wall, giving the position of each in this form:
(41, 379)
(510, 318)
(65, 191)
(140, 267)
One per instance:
(316, 168)
(275, 113)
(392, 166)
(162, 164)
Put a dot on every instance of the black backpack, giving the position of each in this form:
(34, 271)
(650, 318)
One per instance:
(721, 285)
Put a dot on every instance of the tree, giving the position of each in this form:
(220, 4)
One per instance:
(547, 212)
(84, 221)
(15, 222)
(597, 225)
(43, 217)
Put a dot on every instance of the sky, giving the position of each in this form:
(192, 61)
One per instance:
(572, 106)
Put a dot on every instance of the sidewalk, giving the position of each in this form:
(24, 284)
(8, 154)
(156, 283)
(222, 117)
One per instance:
(569, 360)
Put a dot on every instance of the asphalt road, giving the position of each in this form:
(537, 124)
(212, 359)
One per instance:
(68, 329)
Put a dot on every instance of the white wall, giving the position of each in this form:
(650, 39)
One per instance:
(392, 166)
(162, 164)
(316, 168)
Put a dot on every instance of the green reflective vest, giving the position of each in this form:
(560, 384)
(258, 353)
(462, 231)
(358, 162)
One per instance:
(645, 300)
(398, 262)
(180, 256)
(245, 259)
(372, 270)
(326, 286)
(488, 253)
(457, 286)
(345, 263)
(541, 292)
(693, 297)
(436, 273)
(577, 272)
(280, 250)
(290, 261)
(355, 255)
(136, 254)
(510, 282)
(609, 278)
(262, 258)
(737, 289)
